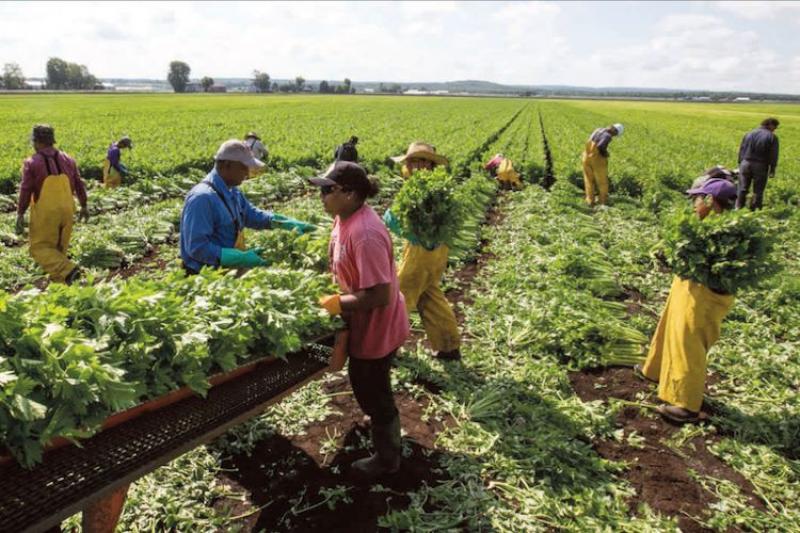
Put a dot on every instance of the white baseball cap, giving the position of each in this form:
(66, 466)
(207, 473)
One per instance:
(620, 128)
(236, 150)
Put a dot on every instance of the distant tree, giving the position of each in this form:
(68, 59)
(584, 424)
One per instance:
(13, 78)
(206, 82)
(347, 85)
(288, 88)
(57, 73)
(261, 81)
(324, 87)
(299, 82)
(178, 76)
(71, 76)
(275, 87)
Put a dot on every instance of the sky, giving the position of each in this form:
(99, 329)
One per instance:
(743, 46)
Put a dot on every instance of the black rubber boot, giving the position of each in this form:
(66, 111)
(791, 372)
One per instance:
(74, 274)
(452, 355)
(386, 459)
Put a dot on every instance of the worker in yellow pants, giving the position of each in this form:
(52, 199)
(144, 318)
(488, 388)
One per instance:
(595, 163)
(49, 180)
(113, 169)
(689, 326)
(420, 273)
(502, 168)
(421, 268)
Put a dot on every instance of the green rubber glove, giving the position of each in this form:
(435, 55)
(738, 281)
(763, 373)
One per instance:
(291, 224)
(231, 257)
(393, 223)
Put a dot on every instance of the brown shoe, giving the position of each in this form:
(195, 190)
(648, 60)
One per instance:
(679, 415)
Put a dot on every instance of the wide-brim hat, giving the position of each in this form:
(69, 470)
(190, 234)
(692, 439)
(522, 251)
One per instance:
(235, 150)
(420, 150)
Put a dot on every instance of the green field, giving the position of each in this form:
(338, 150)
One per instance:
(539, 428)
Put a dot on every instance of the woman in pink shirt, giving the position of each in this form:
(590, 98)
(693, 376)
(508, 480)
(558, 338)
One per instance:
(362, 263)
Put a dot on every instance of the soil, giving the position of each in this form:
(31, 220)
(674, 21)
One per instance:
(285, 475)
(659, 474)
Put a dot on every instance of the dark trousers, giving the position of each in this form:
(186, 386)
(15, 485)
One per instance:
(372, 387)
(756, 173)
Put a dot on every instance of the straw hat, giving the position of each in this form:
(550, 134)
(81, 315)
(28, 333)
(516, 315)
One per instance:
(421, 150)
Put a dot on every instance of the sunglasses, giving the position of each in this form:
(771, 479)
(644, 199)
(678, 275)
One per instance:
(325, 190)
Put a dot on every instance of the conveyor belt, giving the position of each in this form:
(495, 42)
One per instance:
(71, 477)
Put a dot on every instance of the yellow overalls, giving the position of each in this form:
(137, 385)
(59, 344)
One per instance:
(687, 329)
(595, 172)
(111, 176)
(51, 223)
(507, 176)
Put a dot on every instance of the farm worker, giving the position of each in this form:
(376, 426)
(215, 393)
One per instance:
(502, 168)
(689, 325)
(216, 212)
(595, 162)
(422, 268)
(758, 159)
(50, 178)
(253, 141)
(370, 301)
(347, 151)
(113, 169)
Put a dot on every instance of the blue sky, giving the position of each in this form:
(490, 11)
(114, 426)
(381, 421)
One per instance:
(693, 45)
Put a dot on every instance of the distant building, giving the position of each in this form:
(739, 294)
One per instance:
(742, 99)
(369, 90)
(193, 87)
(217, 89)
(103, 86)
(34, 85)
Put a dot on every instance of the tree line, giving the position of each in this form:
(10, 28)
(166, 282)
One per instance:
(180, 71)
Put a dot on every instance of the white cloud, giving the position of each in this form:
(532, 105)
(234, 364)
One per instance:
(754, 10)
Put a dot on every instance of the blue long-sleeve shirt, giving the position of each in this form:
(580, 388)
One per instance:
(760, 145)
(207, 225)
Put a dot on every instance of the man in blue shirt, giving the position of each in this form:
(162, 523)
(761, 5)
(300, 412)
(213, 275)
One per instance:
(758, 158)
(216, 212)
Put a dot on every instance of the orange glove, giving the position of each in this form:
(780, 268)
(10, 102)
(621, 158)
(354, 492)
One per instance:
(332, 304)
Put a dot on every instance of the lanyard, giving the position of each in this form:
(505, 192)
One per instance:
(230, 212)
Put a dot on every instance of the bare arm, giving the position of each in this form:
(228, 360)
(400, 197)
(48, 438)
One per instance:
(366, 299)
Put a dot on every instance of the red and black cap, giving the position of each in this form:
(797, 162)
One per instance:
(346, 174)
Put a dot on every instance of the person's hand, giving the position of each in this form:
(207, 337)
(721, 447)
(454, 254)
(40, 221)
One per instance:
(83, 214)
(231, 257)
(332, 304)
(19, 227)
(292, 224)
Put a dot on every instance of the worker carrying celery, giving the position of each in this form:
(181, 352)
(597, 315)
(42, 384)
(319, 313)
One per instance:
(215, 214)
(502, 168)
(595, 163)
(423, 265)
(370, 301)
(50, 179)
(691, 321)
(113, 169)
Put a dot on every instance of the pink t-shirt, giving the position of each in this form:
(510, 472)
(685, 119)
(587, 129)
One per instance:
(361, 257)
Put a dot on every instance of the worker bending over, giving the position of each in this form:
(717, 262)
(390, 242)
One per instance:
(370, 301)
(50, 179)
(253, 141)
(216, 212)
(422, 268)
(758, 159)
(502, 168)
(595, 163)
(689, 325)
(113, 169)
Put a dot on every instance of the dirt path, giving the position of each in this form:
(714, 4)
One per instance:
(659, 472)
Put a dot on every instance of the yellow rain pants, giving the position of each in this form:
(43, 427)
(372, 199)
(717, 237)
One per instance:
(420, 272)
(507, 176)
(111, 176)
(595, 173)
(51, 227)
(688, 328)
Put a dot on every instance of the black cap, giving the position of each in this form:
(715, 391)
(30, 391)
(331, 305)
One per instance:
(43, 133)
(346, 174)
